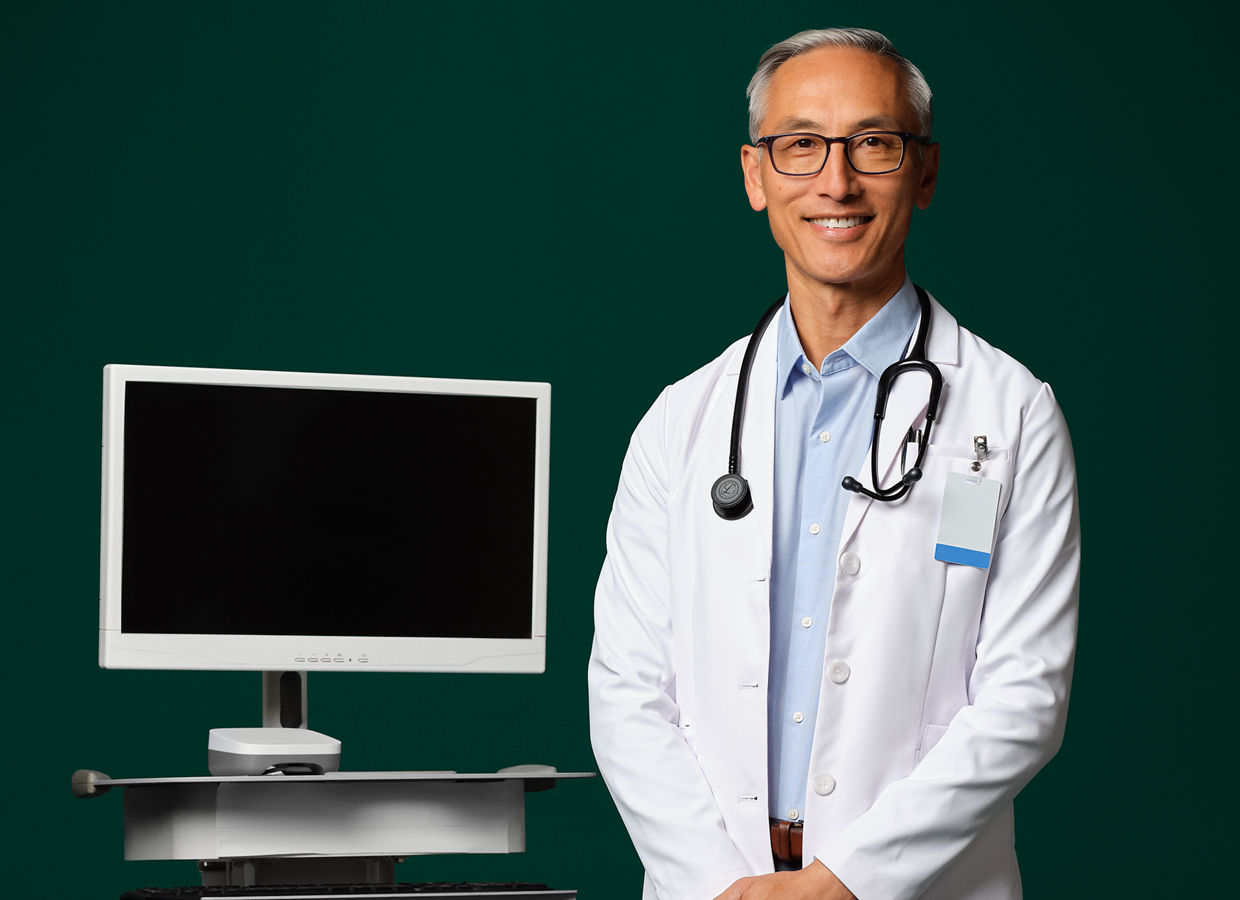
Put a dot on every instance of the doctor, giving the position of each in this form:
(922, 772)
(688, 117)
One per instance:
(804, 701)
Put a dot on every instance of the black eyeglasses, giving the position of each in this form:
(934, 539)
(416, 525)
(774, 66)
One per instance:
(868, 152)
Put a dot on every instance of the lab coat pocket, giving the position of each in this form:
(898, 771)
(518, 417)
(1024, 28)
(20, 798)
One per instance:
(929, 737)
(962, 456)
(943, 458)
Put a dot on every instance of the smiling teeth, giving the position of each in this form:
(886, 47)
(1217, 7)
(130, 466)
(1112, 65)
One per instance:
(845, 222)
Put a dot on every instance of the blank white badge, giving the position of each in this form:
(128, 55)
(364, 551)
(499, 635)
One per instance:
(967, 522)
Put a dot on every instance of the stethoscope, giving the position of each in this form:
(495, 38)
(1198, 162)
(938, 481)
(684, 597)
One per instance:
(730, 493)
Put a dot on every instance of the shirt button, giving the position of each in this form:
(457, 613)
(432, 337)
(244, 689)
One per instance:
(794, 814)
(850, 563)
(824, 436)
(805, 369)
(823, 785)
(838, 671)
(798, 717)
(815, 528)
(807, 622)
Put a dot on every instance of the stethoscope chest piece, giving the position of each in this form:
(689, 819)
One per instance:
(730, 496)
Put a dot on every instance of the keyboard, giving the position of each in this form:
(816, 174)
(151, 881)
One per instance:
(459, 890)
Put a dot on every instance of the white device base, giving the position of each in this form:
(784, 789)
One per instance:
(252, 751)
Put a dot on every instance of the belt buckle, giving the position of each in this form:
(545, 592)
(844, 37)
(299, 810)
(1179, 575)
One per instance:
(786, 838)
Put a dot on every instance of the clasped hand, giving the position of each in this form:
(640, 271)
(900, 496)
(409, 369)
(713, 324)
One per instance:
(814, 881)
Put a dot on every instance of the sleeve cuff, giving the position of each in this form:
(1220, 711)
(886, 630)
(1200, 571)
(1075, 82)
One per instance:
(858, 878)
(715, 886)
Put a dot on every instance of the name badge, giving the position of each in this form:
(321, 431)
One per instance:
(967, 522)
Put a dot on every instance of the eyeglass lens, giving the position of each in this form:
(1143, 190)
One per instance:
(873, 153)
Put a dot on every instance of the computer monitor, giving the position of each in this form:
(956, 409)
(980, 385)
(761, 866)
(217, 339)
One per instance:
(283, 521)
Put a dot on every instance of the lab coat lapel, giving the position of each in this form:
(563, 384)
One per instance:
(906, 408)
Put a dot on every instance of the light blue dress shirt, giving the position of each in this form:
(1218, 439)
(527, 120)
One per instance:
(823, 422)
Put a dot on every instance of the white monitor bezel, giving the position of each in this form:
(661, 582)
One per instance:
(120, 650)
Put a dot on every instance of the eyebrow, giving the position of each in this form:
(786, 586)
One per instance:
(883, 123)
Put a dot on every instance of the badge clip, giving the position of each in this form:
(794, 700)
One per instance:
(980, 450)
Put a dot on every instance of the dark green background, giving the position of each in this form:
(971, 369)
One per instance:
(269, 185)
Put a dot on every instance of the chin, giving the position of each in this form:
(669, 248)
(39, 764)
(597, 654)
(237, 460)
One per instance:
(853, 272)
(843, 277)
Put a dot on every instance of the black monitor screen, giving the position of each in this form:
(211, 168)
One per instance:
(273, 510)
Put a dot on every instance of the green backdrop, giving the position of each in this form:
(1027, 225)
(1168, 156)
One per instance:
(272, 185)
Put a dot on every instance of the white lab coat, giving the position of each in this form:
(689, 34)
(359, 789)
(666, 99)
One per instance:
(945, 687)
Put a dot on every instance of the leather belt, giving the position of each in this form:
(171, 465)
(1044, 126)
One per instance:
(786, 841)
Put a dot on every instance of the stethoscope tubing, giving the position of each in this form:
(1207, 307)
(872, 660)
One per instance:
(730, 493)
(742, 383)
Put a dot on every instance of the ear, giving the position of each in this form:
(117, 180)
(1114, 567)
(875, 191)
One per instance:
(929, 176)
(751, 166)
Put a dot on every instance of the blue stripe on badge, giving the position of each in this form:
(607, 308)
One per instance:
(962, 556)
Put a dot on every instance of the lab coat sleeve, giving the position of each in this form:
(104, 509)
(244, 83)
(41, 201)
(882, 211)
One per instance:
(1017, 692)
(652, 773)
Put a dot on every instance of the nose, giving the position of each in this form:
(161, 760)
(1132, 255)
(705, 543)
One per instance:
(838, 179)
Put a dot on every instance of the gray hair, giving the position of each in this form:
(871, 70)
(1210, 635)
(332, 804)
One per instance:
(861, 38)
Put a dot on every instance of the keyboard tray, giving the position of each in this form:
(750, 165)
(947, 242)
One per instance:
(426, 891)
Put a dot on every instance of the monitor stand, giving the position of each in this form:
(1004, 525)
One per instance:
(284, 699)
(284, 744)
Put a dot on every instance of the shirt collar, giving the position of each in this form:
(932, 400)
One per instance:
(877, 344)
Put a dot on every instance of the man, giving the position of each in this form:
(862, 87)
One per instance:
(803, 701)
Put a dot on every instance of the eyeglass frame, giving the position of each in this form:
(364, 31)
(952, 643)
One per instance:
(904, 137)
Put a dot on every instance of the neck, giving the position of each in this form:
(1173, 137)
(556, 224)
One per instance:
(827, 315)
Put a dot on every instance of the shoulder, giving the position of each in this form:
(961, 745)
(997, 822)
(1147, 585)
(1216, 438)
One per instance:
(984, 368)
(675, 421)
(703, 380)
(988, 390)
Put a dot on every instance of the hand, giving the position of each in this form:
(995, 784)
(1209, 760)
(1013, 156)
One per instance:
(814, 881)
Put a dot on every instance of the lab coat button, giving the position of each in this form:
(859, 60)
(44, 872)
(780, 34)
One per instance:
(838, 671)
(798, 717)
(850, 563)
(823, 785)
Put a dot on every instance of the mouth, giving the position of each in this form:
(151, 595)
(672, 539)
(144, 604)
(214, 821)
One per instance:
(839, 222)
